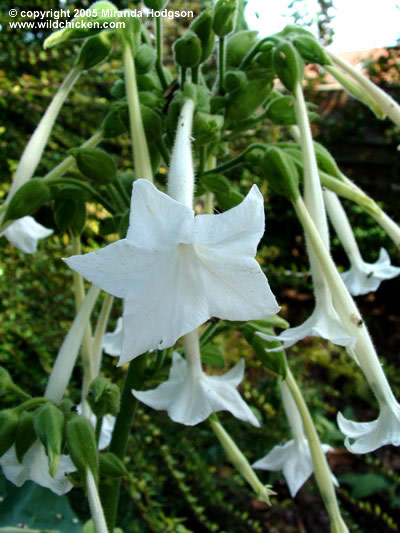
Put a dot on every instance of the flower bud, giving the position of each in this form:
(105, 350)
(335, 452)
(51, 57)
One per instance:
(111, 465)
(234, 79)
(82, 446)
(94, 50)
(245, 100)
(218, 104)
(155, 4)
(282, 111)
(95, 164)
(202, 27)
(199, 95)
(100, 12)
(113, 125)
(152, 124)
(49, 427)
(25, 435)
(103, 397)
(118, 89)
(207, 128)
(225, 15)
(8, 429)
(237, 46)
(150, 99)
(145, 58)
(292, 30)
(288, 65)
(326, 161)
(70, 214)
(311, 51)
(27, 199)
(216, 183)
(188, 50)
(281, 173)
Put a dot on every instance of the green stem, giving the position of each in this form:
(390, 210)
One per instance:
(159, 51)
(221, 65)
(162, 148)
(235, 161)
(321, 468)
(101, 326)
(195, 74)
(33, 402)
(116, 198)
(99, 423)
(122, 428)
(209, 333)
(14, 388)
(182, 77)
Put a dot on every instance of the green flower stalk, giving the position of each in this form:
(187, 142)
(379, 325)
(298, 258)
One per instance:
(96, 508)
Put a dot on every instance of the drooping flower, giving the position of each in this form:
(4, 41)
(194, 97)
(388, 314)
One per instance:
(24, 234)
(190, 396)
(293, 458)
(175, 270)
(35, 467)
(362, 277)
(112, 342)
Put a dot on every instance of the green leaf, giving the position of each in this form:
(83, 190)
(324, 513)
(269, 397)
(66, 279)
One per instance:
(364, 485)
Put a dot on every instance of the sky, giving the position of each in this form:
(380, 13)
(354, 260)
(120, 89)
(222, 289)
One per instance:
(358, 24)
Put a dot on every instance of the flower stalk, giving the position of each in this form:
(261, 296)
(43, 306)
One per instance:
(96, 508)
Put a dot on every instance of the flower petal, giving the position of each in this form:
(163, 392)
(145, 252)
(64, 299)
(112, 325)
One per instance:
(112, 342)
(24, 234)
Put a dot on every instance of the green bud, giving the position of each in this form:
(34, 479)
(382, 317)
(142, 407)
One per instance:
(238, 45)
(326, 161)
(207, 128)
(82, 446)
(187, 50)
(100, 12)
(95, 164)
(6, 381)
(244, 101)
(111, 465)
(311, 51)
(199, 95)
(103, 397)
(202, 27)
(288, 65)
(228, 200)
(113, 125)
(145, 58)
(217, 104)
(292, 30)
(70, 214)
(234, 79)
(225, 15)
(149, 99)
(8, 429)
(281, 173)
(33, 194)
(118, 89)
(216, 183)
(25, 435)
(152, 124)
(68, 191)
(68, 409)
(156, 4)
(94, 50)
(264, 59)
(148, 82)
(282, 111)
(49, 427)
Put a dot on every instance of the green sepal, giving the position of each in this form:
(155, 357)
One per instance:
(112, 125)
(187, 50)
(326, 162)
(68, 191)
(94, 51)
(281, 173)
(246, 99)
(224, 16)
(25, 435)
(216, 183)
(70, 214)
(274, 321)
(238, 45)
(95, 164)
(97, 10)
(145, 57)
(49, 427)
(234, 79)
(228, 200)
(218, 104)
(207, 128)
(9, 420)
(281, 111)
(82, 446)
(292, 30)
(202, 27)
(199, 94)
(311, 51)
(111, 465)
(103, 397)
(150, 99)
(32, 195)
(6, 381)
(288, 65)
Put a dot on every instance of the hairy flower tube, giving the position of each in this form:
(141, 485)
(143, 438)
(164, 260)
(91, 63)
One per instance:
(294, 457)
(24, 234)
(175, 270)
(190, 396)
(35, 467)
(362, 277)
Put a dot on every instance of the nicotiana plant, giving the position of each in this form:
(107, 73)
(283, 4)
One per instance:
(182, 267)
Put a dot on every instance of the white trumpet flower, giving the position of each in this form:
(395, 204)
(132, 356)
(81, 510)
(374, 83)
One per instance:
(24, 234)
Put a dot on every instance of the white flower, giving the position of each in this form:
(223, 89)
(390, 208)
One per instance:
(294, 459)
(323, 322)
(112, 342)
(363, 277)
(24, 234)
(369, 436)
(190, 396)
(35, 467)
(176, 270)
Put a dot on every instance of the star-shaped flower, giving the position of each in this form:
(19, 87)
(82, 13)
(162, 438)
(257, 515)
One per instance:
(35, 467)
(175, 270)
(294, 459)
(323, 322)
(190, 396)
(24, 234)
(363, 277)
(369, 436)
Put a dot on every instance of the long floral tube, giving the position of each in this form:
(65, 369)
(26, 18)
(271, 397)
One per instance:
(96, 508)
(68, 353)
(386, 429)
(386, 102)
(321, 468)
